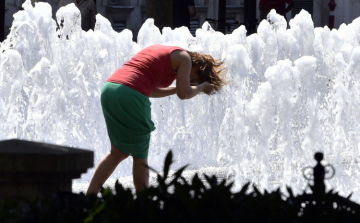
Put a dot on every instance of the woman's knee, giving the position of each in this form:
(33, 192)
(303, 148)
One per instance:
(117, 153)
(140, 161)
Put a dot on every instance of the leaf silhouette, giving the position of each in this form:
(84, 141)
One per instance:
(167, 163)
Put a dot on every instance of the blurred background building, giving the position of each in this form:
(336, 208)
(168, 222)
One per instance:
(131, 14)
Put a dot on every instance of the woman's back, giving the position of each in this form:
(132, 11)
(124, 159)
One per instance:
(149, 69)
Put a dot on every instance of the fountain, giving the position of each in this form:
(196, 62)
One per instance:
(291, 92)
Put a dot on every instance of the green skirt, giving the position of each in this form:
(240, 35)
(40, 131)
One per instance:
(127, 115)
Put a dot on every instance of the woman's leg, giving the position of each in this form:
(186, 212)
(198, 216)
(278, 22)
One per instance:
(105, 168)
(140, 174)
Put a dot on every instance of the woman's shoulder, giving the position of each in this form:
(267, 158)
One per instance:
(180, 54)
(179, 57)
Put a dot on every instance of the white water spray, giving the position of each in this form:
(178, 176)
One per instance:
(291, 92)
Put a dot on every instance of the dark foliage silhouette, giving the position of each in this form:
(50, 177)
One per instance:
(174, 199)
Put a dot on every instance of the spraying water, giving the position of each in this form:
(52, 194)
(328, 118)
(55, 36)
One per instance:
(291, 92)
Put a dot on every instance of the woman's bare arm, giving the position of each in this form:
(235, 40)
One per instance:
(182, 61)
(163, 92)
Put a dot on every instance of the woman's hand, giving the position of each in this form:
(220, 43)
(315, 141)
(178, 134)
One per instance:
(207, 88)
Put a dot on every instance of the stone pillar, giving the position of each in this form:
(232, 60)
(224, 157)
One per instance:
(33, 169)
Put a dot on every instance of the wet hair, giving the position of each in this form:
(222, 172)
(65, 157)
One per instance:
(210, 69)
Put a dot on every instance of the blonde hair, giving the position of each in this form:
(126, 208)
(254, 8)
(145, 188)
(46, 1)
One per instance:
(210, 69)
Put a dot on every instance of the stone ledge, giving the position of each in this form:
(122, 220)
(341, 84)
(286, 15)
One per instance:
(19, 156)
(120, 9)
(33, 169)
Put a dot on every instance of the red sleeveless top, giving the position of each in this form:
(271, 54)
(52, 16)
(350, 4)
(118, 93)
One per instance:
(147, 70)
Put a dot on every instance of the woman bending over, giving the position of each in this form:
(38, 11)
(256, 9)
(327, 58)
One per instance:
(126, 105)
